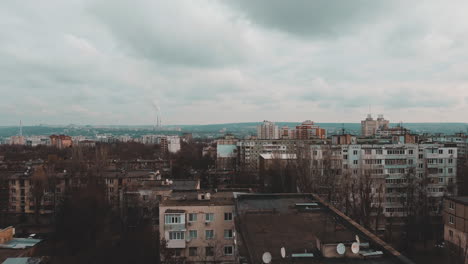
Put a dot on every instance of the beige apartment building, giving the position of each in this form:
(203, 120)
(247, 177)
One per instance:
(199, 226)
(369, 126)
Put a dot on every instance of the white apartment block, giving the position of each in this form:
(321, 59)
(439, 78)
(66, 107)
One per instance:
(268, 130)
(391, 165)
(199, 226)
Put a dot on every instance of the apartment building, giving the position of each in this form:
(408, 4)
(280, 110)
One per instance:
(249, 151)
(393, 168)
(267, 130)
(61, 141)
(21, 188)
(226, 153)
(199, 226)
(309, 130)
(369, 126)
(456, 225)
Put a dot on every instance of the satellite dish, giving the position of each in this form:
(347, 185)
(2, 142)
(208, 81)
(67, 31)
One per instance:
(283, 252)
(357, 239)
(266, 257)
(341, 249)
(355, 247)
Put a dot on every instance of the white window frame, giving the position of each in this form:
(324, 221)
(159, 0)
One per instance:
(193, 217)
(228, 254)
(228, 233)
(451, 219)
(451, 205)
(209, 217)
(206, 234)
(191, 234)
(230, 216)
(173, 219)
(176, 235)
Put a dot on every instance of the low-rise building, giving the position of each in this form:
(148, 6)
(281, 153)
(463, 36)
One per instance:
(456, 225)
(199, 226)
(302, 228)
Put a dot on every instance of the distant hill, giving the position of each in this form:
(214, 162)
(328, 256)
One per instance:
(216, 130)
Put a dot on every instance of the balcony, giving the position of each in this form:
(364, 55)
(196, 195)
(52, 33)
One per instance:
(175, 227)
(177, 243)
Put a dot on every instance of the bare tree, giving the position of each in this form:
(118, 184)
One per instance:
(39, 184)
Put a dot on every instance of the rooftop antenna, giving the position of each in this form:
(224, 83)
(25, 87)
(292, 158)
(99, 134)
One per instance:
(342, 129)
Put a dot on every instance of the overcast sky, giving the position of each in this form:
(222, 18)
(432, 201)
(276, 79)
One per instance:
(201, 62)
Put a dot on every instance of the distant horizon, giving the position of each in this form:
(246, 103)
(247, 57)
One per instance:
(209, 124)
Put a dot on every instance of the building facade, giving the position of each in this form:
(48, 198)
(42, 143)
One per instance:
(456, 226)
(308, 130)
(199, 226)
(369, 126)
(267, 130)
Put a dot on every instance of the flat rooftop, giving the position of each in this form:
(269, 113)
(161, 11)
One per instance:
(459, 199)
(302, 224)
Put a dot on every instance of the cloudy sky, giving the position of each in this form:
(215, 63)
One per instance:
(200, 62)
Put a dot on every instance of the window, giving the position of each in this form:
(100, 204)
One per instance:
(176, 235)
(421, 166)
(378, 151)
(228, 250)
(192, 217)
(450, 180)
(441, 170)
(451, 233)
(441, 161)
(410, 151)
(421, 156)
(368, 151)
(450, 170)
(345, 157)
(172, 219)
(452, 205)
(209, 217)
(209, 251)
(227, 216)
(355, 152)
(209, 234)
(450, 151)
(193, 251)
(410, 161)
(450, 161)
(193, 234)
(441, 151)
(145, 197)
(355, 162)
(178, 252)
(228, 233)
(441, 180)
(451, 219)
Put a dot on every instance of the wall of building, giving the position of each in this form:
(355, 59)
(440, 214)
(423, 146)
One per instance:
(218, 225)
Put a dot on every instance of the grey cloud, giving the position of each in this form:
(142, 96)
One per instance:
(317, 18)
(167, 32)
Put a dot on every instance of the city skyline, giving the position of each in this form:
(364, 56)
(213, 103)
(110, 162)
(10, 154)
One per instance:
(92, 62)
